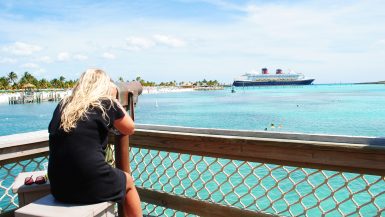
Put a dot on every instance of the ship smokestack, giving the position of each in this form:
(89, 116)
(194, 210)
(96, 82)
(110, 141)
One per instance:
(264, 71)
(279, 71)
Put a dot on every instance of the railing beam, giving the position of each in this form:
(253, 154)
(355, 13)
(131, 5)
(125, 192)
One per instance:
(193, 206)
(358, 158)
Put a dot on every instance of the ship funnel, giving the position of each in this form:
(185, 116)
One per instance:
(279, 71)
(264, 71)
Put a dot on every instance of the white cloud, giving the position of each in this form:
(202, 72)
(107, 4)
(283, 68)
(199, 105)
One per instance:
(63, 56)
(30, 66)
(35, 68)
(21, 48)
(139, 43)
(44, 59)
(80, 57)
(8, 60)
(107, 55)
(380, 42)
(169, 41)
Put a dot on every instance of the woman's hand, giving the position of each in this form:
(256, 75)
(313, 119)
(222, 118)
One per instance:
(114, 92)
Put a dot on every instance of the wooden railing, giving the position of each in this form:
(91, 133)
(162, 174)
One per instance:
(210, 172)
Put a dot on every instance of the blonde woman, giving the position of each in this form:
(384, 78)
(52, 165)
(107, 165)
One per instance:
(78, 133)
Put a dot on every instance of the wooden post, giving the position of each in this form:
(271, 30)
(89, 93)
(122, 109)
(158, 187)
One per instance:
(121, 160)
(121, 153)
(121, 143)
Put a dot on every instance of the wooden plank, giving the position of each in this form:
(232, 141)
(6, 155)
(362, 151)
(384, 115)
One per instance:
(17, 147)
(23, 155)
(193, 206)
(321, 155)
(268, 134)
(16, 153)
(23, 138)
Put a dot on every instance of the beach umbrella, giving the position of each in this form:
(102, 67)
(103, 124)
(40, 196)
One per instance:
(28, 85)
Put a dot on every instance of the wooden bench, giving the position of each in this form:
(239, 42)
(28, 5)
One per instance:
(49, 207)
(36, 200)
(30, 193)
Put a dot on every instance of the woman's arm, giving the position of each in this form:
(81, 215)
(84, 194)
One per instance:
(125, 125)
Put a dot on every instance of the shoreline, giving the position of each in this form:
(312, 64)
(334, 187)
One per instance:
(4, 97)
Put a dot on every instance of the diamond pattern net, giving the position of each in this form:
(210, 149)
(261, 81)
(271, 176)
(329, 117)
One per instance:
(275, 189)
(150, 210)
(8, 173)
(268, 188)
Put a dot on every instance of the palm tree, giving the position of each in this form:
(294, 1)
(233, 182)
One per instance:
(43, 83)
(62, 80)
(70, 83)
(12, 77)
(55, 83)
(28, 78)
(4, 84)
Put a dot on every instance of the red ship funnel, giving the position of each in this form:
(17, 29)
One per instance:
(264, 71)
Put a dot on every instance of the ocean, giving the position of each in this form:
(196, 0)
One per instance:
(355, 110)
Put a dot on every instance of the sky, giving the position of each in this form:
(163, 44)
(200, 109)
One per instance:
(189, 40)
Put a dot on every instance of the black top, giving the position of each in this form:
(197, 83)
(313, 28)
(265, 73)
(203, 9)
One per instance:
(77, 169)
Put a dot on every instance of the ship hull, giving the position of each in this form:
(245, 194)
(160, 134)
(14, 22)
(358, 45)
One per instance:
(271, 83)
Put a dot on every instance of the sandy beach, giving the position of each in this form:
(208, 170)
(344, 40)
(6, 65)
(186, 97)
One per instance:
(4, 97)
(157, 90)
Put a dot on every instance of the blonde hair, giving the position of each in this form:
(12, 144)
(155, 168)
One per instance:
(93, 86)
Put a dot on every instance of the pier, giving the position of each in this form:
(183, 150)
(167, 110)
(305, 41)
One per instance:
(211, 172)
(35, 97)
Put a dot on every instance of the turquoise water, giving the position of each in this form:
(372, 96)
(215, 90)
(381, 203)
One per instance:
(326, 109)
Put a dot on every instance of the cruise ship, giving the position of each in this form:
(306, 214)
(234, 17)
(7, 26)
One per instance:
(264, 79)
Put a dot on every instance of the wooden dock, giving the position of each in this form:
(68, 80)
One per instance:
(34, 97)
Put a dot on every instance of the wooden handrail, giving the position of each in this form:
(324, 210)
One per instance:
(22, 146)
(338, 156)
(364, 155)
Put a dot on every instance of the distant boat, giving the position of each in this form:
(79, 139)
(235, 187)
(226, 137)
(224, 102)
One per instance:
(156, 104)
(266, 79)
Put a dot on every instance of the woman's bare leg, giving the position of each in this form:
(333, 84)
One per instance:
(131, 206)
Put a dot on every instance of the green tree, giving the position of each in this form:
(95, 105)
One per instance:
(28, 78)
(55, 83)
(69, 84)
(212, 83)
(62, 81)
(12, 77)
(4, 83)
(44, 84)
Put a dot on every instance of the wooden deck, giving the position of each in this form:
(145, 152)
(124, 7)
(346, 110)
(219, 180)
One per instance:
(360, 155)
